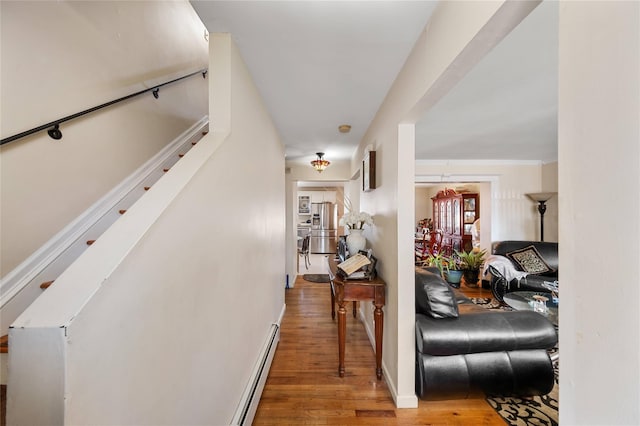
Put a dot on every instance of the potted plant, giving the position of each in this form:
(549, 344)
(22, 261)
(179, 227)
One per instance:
(471, 264)
(454, 270)
(449, 267)
(437, 261)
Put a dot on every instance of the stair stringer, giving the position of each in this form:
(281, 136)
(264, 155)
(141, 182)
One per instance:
(49, 317)
(20, 287)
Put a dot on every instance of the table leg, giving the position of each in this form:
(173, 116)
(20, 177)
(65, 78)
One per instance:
(333, 301)
(354, 308)
(378, 317)
(342, 331)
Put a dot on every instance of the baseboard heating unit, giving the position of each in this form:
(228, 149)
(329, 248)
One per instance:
(251, 397)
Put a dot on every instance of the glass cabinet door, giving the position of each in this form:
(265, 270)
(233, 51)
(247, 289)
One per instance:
(448, 217)
(456, 217)
(470, 214)
(470, 204)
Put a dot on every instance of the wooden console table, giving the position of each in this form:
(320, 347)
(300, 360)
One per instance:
(343, 291)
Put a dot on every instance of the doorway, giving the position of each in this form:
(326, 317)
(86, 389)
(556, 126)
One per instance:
(428, 186)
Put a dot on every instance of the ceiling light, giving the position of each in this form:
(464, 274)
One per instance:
(319, 163)
(344, 128)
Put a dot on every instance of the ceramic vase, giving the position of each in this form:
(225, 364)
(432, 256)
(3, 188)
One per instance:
(453, 278)
(356, 241)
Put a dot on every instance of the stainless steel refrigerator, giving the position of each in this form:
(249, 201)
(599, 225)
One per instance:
(324, 235)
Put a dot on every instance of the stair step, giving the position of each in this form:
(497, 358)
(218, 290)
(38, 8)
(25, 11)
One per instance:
(123, 211)
(193, 143)
(205, 132)
(45, 285)
(146, 188)
(165, 170)
(4, 344)
(89, 242)
(180, 155)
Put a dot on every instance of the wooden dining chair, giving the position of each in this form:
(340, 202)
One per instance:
(421, 248)
(435, 242)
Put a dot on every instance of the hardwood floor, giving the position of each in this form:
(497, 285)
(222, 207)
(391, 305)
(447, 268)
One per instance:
(304, 388)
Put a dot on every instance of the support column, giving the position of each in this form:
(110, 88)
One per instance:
(599, 207)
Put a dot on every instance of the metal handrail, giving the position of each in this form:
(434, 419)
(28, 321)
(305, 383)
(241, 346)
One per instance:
(53, 126)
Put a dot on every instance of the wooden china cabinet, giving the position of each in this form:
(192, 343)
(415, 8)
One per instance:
(454, 214)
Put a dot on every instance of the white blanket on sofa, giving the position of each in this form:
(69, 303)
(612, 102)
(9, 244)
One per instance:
(503, 266)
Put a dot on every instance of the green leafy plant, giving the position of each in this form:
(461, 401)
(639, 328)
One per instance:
(471, 259)
(454, 263)
(443, 263)
(437, 261)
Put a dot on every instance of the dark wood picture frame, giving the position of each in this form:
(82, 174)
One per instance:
(369, 171)
(370, 269)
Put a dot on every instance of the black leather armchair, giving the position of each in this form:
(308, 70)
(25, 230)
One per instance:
(463, 349)
(500, 285)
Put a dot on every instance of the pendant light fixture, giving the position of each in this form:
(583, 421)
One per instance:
(320, 163)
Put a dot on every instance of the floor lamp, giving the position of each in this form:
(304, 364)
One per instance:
(541, 198)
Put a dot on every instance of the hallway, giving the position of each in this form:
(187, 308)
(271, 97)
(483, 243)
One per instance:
(318, 264)
(304, 387)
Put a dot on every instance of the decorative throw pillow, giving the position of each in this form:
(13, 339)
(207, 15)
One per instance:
(529, 260)
(434, 297)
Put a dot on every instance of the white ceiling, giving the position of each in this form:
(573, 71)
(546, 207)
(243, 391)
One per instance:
(506, 107)
(319, 64)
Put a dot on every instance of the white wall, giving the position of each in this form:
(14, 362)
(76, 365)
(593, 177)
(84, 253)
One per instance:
(61, 57)
(550, 184)
(599, 182)
(165, 314)
(457, 36)
(424, 205)
(291, 236)
(513, 215)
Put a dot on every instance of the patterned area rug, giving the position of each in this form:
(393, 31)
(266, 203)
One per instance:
(538, 410)
(490, 303)
(316, 278)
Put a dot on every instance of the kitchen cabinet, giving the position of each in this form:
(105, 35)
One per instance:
(319, 196)
(454, 214)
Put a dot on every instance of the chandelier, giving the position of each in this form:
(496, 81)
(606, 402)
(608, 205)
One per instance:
(320, 163)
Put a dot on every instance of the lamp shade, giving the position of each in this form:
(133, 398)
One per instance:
(541, 196)
(320, 163)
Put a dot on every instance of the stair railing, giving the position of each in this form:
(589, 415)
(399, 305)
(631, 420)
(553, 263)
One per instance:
(53, 127)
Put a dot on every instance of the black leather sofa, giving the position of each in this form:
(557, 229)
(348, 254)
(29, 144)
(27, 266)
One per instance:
(463, 349)
(509, 249)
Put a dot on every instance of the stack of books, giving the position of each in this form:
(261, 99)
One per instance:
(358, 267)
